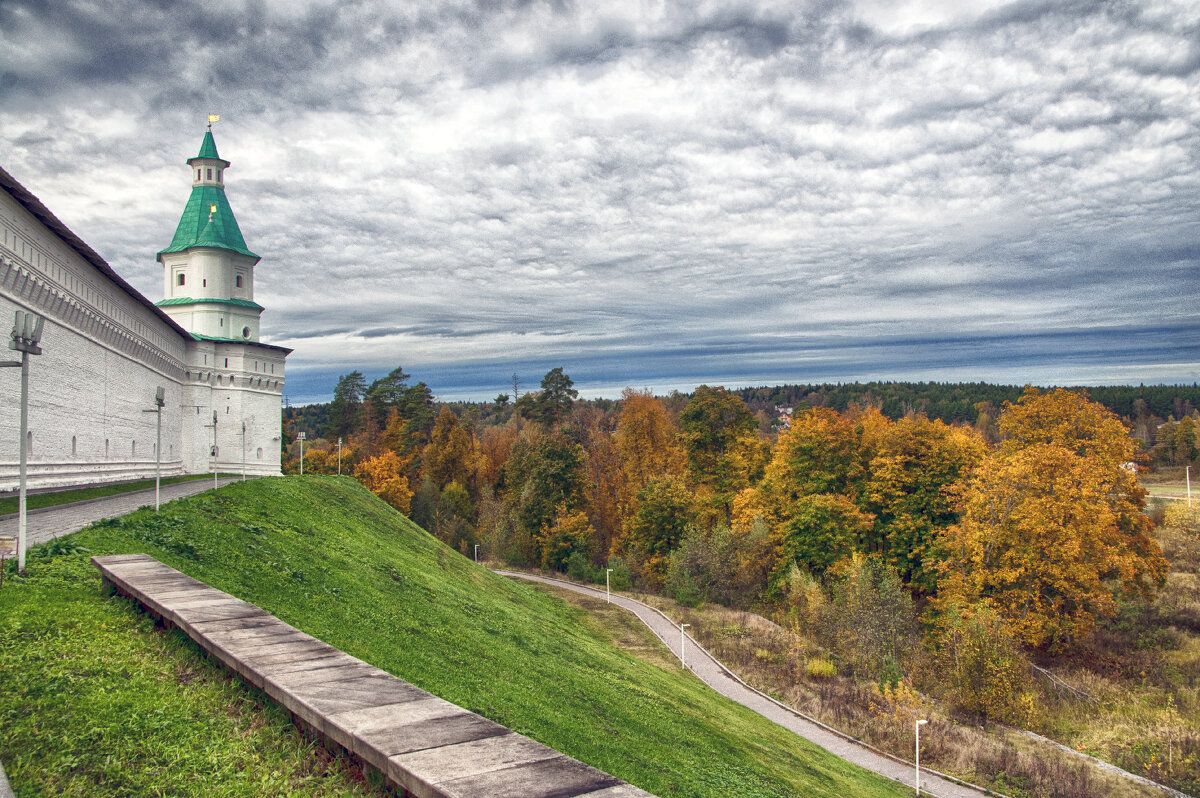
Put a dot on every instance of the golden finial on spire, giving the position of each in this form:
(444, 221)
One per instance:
(213, 118)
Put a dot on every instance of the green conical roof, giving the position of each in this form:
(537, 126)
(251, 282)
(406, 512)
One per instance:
(196, 228)
(208, 148)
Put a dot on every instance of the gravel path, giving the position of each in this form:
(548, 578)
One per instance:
(53, 522)
(711, 672)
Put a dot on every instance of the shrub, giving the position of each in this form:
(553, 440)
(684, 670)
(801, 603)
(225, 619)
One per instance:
(871, 618)
(982, 664)
(820, 668)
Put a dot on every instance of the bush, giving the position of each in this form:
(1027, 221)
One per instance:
(820, 668)
(579, 569)
(620, 578)
(982, 665)
(870, 620)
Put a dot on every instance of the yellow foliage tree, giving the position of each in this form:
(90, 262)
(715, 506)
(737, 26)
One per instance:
(382, 475)
(1052, 528)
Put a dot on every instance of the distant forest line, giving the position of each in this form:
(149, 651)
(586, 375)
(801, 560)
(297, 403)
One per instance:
(950, 402)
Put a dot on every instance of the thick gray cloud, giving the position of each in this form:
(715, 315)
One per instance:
(660, 193)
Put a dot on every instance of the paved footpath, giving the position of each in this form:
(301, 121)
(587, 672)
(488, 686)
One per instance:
(53, 522)
(716, 676)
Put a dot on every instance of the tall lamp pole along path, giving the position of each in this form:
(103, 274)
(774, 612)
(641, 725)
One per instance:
(607, 586)
(918, 726)
(302, 436)
(159, 401)
(682, 643)
(26, 335)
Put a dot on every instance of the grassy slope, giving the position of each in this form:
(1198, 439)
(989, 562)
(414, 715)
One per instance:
(95, 702)
(324, 555)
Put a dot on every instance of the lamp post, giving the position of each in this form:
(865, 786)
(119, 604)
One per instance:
(476, 552)
(25, 337)
(243, 451)
(607, 586)
(302, 436)
(340, 465)
(1188, 474)
(682, 642)
(918, 726)
(159, 401)
(214, 450)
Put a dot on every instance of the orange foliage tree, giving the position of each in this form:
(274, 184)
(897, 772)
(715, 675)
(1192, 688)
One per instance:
(383, 475)
(1052, 529)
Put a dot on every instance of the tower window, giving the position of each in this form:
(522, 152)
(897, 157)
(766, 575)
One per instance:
(204, 283)
(197, 174)
(226, 362)
(180, 279)
(259, 452)
(221, 323)
(72, 445)
(246, 334)
(238, 281)
(210, 174)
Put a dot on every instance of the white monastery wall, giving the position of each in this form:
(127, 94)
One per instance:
(104, 355)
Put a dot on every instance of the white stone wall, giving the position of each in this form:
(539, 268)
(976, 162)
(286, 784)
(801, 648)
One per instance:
(104, 356)
(240, 382)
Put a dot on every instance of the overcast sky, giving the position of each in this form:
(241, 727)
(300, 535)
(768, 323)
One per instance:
(648, 194)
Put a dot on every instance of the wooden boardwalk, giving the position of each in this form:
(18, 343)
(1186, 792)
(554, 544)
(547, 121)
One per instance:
(424, 746)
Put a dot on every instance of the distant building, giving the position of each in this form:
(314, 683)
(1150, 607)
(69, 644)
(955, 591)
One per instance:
(107, 348)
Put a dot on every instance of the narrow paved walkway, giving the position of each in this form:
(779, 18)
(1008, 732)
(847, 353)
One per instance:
(53, 522)
(429, 747)
(716, 676)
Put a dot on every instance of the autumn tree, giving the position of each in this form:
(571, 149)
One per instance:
(382, 476)
(567, 532)
(449, 456)
(911, 491)
(1052, 529)
(647, 440)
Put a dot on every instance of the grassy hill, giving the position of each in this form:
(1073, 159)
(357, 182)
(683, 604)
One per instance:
(327, 557)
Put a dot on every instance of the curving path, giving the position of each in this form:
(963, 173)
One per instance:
(715, 675)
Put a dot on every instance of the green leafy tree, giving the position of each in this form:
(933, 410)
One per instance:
(665, 513)
(717, 430)
(543, 473)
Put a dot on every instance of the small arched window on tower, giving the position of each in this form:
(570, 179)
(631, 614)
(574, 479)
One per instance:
(72, 445)
(180, 279)
(245, 332)
(210, 174)
(204, 283)
(197, 174)
(238, 281)
(29, 443)
(259, 452)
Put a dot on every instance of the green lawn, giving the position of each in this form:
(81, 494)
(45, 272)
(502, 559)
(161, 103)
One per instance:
(36, 501)
(329, 558)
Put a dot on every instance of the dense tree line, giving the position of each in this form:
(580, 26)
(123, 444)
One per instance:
(1012, 531)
